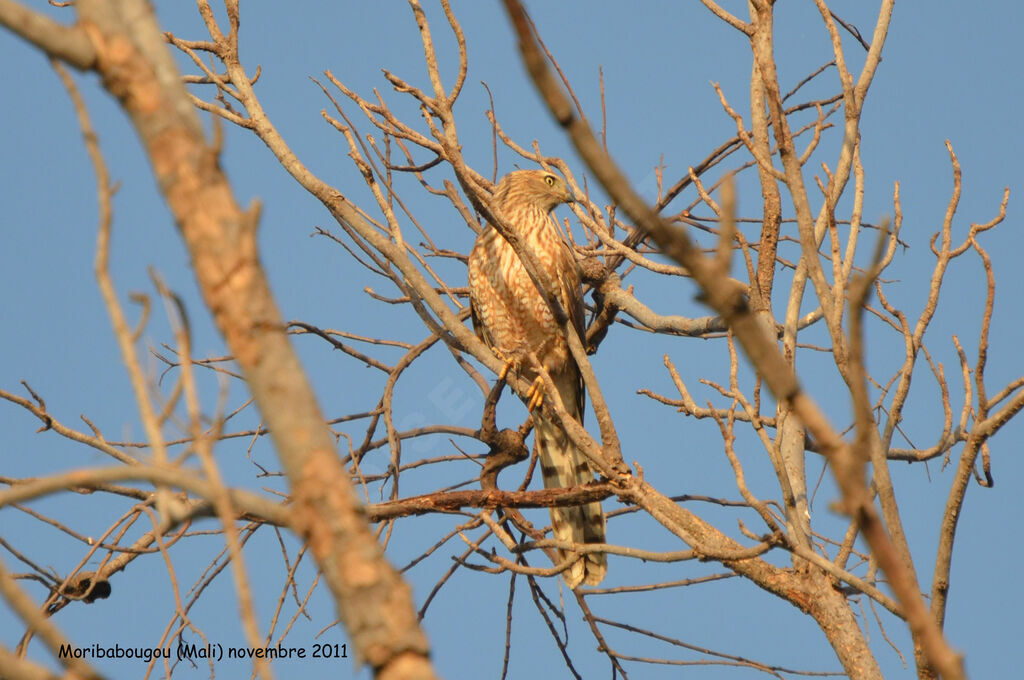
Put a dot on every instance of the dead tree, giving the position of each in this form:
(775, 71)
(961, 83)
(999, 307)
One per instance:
(779, 542)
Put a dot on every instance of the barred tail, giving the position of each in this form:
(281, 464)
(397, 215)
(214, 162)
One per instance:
(563, 465)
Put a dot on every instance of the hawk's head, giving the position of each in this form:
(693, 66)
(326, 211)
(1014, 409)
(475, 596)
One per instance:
(540, 188)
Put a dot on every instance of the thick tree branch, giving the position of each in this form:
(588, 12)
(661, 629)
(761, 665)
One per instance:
(136, 68)
(758, 345)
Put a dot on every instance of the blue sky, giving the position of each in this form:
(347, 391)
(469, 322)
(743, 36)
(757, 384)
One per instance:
(949, 72)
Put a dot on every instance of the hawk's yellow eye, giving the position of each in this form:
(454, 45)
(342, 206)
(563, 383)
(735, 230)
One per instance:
(549, 180)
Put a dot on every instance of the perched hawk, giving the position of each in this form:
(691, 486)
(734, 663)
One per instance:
(512, 318)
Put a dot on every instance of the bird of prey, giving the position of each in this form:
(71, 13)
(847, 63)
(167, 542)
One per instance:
(513, 319)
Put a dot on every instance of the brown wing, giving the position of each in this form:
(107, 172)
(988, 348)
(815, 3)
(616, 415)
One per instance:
(562, 464)
(572, 299)
(478, 324)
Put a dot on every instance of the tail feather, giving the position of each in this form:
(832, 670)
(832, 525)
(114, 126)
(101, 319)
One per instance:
(563, 465)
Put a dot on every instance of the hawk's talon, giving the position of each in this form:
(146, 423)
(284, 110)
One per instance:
(535, 395)
(509, 363)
